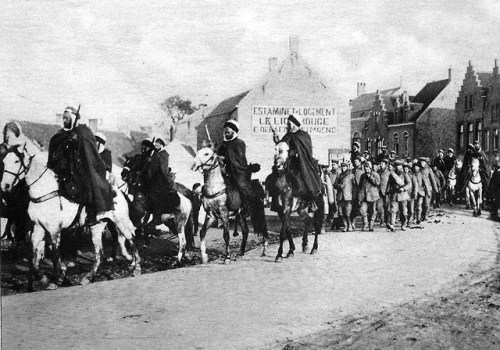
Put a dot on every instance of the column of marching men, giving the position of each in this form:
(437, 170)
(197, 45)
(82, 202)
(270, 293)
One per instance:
(387, 190)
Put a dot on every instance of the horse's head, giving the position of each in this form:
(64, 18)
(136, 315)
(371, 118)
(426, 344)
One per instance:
(204, 159)
(474, 165)
(281, 155)
(15, 168)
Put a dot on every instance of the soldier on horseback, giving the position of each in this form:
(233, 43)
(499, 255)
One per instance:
(239, 172)
(161, 195)
(303, 167)
(74, 158)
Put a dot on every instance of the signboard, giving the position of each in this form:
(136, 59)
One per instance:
(315, 120)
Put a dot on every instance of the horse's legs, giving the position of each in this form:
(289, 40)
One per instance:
(209, 219)
(224, 215)
(58, 266)
(467, 198)
(307, 227)
(244, 230)
(479, 200)
(237, 221)
(180, 225)
(126, 233)
(37, 251)
(284, 232)
(96, 232)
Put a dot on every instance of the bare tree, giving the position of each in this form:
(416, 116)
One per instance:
(177, 108)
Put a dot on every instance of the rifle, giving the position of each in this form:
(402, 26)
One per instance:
(208, 135)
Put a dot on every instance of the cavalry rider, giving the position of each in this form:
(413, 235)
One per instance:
(105, 154)
(439, 162)
(14, 205)
(484, 166)
(162, 197)
(355, 152)
(449, 161)
(73, 150)
(303, 166)
(233, 153)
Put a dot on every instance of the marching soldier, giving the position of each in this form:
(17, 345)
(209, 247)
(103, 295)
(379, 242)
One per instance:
(429, 183)
(368, 195)
(345, 186)
(383, 202)
(413, 193)
(399, 184)
(357, 172)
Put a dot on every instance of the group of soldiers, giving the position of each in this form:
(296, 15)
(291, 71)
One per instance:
(384, 186)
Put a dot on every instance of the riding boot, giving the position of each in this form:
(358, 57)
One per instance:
(365, 223)
(91, 218)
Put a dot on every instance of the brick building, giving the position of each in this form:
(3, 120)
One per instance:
(478, 111)
(411, 126)
(291, 87)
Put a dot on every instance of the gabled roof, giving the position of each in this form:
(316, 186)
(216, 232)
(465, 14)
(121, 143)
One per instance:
(364, 102)
(228, 105)
(429, 92)
(484, 78)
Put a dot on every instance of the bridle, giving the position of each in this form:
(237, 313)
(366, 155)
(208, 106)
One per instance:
(212, 166)
(23, 168)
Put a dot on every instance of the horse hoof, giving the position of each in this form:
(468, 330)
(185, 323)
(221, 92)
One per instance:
(304, 249)
(279, 259)
(137, 272)
(314, 251)
(290, 255)
(84, 281)
(263, 254)
(52, 286)
(227, 261)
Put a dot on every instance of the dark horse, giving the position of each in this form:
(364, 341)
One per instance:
(132, 174)
(289, 204)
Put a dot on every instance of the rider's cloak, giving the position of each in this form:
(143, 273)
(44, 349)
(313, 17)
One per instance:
(303, 162)
(80, 146)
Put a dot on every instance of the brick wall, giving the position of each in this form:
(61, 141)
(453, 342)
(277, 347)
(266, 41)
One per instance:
(435, 129)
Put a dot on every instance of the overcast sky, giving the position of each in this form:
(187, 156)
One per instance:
(120, 59)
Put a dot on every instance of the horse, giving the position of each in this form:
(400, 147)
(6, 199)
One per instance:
(51, 213)
(214, 199)
(288, 204)
(474, 189)
(451, 182)
(180, 222)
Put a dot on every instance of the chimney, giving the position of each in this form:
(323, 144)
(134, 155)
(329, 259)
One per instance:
(449, 73)
(360, 89)
(495, 68)
(273, 64)
(294, 44)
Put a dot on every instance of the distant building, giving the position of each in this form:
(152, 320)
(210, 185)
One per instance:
(291, 87)
(478, 111)
(411, 126)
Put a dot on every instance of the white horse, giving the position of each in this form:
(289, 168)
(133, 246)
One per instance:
(52, 213)
(215, 203)
(474, 190)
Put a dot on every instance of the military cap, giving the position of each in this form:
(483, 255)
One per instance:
(407, 165)
(422, 159)
(384, 147)
(344, 164)
(451, 150)
(160, 141)
(335, 161)
(356, 144)
(441, 151)
(392, 152)
(398, 162)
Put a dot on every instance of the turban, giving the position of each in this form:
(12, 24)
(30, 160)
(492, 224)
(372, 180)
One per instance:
(100, 137)
(295, 120)
(232, 124)
(15, 127)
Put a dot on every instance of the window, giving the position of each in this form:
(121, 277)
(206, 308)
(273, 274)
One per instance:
(487, 140)
(470, 133)
(406, 138)
(495, 139)
(493, 116)
(471, 106)
(478, 133)
(396, 143)
(461, 138)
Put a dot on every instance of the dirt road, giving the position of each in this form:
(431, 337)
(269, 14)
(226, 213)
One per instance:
(255, 302)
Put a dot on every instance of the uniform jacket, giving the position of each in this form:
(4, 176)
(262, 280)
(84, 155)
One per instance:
(384, 180)
(429, 180)
(369, 187)
(449, 162)
(345, 185)
(440, 178)
(439, 163)
(398, 186)
(333, 179)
